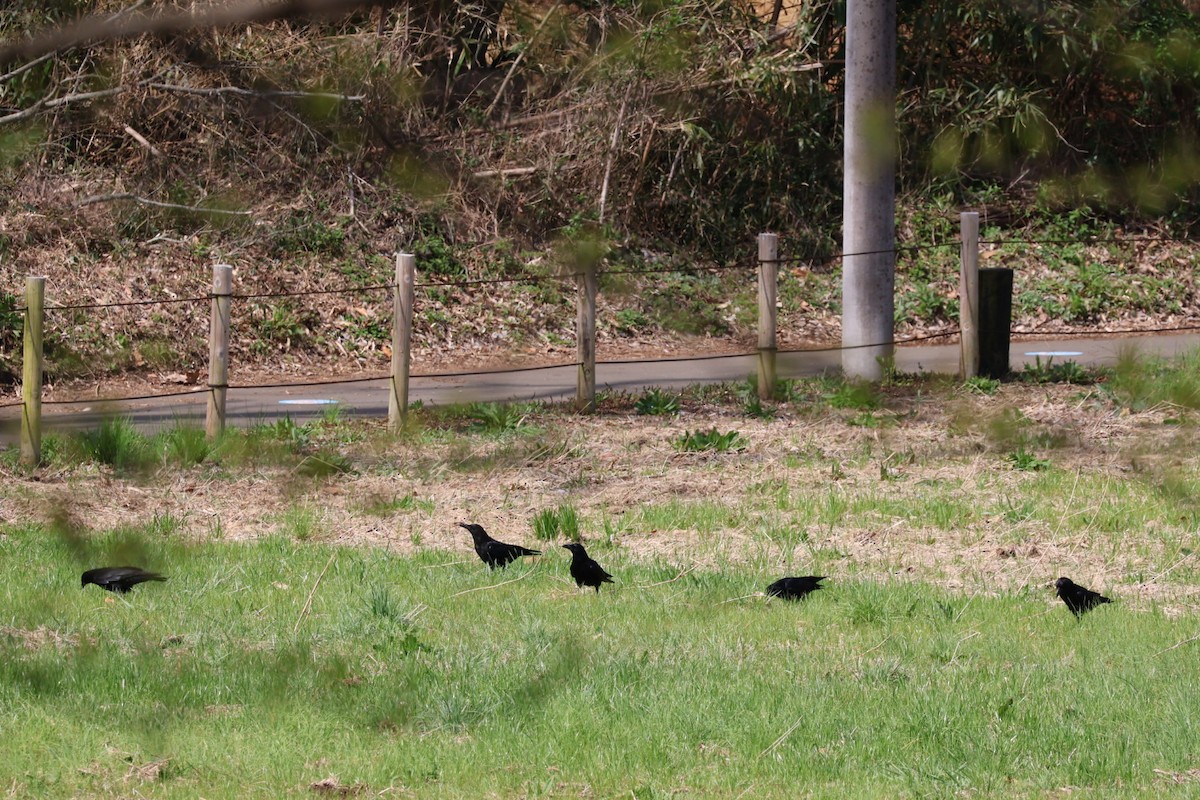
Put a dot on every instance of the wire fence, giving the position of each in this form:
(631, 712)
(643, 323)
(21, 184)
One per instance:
(202, 390)
(533, 278)
(810, 258)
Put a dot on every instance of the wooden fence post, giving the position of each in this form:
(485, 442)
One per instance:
(585, 338)
(218, 350)
(768, 290)
(402, 322)
(968, 295)
(31, 370)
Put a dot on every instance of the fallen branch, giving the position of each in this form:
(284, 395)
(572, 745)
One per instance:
(137, 137)
(504, 173)
(743, 597)
(268, 95)
(44, 104)
(781, 739)
(1177, 644)
(308, 602)
(670, 580)
(145, 201)
(21, 70)
(493, 586)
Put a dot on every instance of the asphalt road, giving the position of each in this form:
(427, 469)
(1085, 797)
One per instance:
(369, 398)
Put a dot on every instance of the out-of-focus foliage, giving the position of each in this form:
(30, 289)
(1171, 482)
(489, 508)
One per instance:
(694, 121)
(1096, 101)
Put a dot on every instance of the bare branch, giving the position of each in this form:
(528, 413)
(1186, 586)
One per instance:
(612, 152)
(137, 137)
(67, 99)
(517, 61)
(236, 90)
(21, 70)
(109, 198)
(504, 173)
(308, 602)
(98, 28)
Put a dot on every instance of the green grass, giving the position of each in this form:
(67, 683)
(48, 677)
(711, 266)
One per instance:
(550, 523)
(262, 667)
(259, 669)
(1139, 382)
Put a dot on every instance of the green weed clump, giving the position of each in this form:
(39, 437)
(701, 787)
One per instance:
(710, 441)
(498, 417)
(118, 444)
(550, 523)
(656, 402)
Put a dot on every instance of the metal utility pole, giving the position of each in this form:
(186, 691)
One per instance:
(868, 215)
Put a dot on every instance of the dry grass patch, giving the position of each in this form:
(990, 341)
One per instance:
(933, 494)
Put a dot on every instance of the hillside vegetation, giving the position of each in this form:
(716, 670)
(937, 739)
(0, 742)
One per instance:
(494, 140)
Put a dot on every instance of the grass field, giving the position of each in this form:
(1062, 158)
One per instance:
(287, 657)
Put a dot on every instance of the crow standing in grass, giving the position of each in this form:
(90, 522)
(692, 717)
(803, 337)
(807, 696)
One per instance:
(493, 553)
(118, 579)
(1077, 598)
(795, 588)
(584, 568)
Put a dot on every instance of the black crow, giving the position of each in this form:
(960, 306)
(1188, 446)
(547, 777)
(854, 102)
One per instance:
(118, 579)
(795, 588)
(1077, 598)
(493, 553)
(584, 568)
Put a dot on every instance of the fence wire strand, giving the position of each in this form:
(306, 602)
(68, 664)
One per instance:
(80, 401)
(123, 303)
(310, 292)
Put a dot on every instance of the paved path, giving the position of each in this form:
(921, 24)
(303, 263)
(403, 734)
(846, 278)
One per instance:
(369, 399)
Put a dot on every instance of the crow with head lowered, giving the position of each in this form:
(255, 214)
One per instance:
(795, 588)
(584, 568)
(494, 553)
(1077, 598)
(118, 579)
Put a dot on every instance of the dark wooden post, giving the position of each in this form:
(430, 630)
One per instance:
(995, 321)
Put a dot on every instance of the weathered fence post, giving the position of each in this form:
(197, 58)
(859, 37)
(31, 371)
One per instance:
(968, 295)
(218, 350)
(31, 370)
(585, 338)
(768, 290)
(402, 321)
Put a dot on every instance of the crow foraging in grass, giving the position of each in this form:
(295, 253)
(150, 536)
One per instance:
(795, 588)
(1077, 598)
(584, 568)
(494, 553)
(118, 579)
